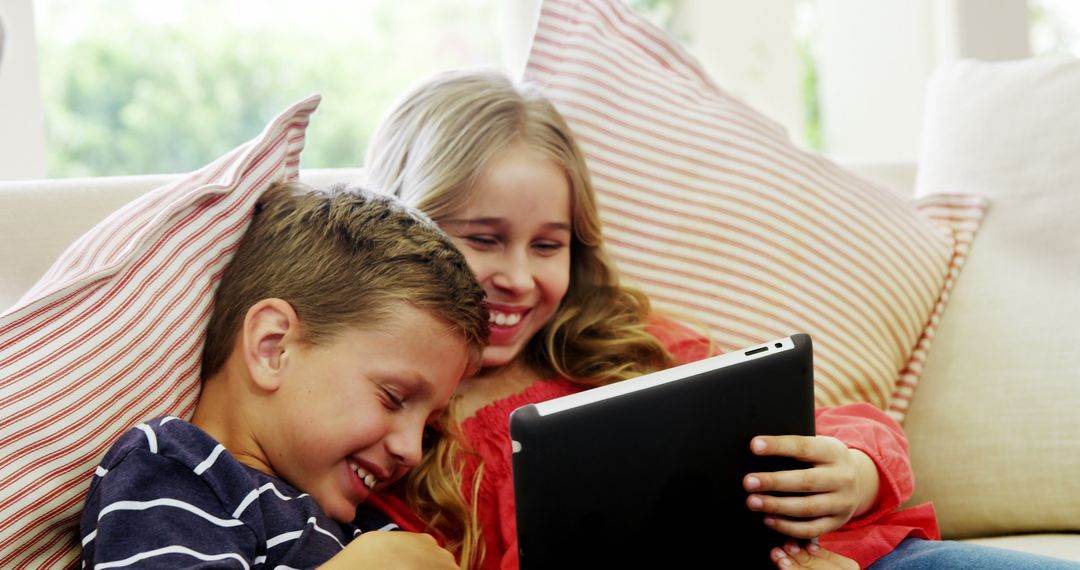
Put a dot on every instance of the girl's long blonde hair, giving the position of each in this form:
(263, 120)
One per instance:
(429, 151)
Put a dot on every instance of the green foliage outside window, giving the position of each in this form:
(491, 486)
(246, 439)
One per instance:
(128, 89)
(149, 86)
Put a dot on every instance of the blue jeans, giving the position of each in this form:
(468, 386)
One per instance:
(918, 554)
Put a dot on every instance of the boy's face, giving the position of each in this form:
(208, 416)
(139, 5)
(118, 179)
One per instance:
(350, 413)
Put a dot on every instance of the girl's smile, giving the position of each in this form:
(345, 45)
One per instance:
(506, 322)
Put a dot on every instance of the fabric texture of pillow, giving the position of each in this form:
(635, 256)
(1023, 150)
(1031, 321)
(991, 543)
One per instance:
(1006, 353)
(713, 212)
(112, 335)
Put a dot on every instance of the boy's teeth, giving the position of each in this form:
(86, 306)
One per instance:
(364, 476)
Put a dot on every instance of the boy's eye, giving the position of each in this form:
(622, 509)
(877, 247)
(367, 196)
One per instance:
(395, 401)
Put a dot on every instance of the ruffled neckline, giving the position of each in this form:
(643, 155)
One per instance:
(495, 414)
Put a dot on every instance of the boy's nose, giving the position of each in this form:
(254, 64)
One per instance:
(406, 445)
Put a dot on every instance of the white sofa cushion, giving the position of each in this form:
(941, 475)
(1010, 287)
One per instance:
(995, 428)
(712, 210)
(112, 335)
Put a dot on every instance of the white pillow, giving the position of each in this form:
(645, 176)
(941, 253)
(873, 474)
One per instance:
(112, 335)
(712, 210)
(995, 434)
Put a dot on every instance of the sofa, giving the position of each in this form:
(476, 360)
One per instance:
(995, 440)
(39, 218)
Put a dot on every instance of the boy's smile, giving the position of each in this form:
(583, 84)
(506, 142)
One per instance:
(365, 476)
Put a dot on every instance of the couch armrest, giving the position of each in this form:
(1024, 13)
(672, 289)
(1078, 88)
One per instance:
(39, 219)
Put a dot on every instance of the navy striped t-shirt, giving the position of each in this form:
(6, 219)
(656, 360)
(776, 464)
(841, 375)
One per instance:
(169, 495)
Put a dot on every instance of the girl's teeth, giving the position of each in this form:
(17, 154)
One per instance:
(370, 481)
(503, 319)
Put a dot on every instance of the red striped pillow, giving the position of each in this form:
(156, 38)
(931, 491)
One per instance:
(112, 335)
(714, 212)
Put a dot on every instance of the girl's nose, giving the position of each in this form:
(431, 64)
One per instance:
(514, 274)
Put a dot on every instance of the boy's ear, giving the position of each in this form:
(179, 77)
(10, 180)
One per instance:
(270, 327)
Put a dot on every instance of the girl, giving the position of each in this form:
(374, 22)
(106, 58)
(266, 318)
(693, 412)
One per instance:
(495, 165)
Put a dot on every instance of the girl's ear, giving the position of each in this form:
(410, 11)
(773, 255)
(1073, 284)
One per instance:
(270, 327)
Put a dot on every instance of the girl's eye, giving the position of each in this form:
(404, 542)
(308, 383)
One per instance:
(481, 240)
(548, 246)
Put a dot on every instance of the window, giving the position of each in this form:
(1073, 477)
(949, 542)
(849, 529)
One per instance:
(140, 86)
(1055, 27)
(143, 86)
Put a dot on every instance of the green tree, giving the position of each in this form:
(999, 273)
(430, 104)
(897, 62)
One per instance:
(128, 94)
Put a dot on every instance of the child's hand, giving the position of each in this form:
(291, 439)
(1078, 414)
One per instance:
(842, 483)
(393, 549)
(793, 557)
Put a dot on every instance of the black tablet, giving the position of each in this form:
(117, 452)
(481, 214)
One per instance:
(648, 472)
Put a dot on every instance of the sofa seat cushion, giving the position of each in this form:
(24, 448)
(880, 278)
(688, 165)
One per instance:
(1065, 546)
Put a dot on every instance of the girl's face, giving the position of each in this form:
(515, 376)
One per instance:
(515, 232)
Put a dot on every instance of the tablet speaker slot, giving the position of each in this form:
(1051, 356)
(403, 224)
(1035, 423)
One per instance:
(756, 350)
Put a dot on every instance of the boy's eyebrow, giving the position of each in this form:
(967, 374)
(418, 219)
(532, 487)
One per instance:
(414, 378)
(415, 381)
(423, 387)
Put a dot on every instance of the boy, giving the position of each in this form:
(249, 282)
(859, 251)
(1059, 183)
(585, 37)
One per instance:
(339, 331)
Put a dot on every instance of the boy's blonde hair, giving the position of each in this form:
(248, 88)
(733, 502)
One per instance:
(431, 150)
(343, 258)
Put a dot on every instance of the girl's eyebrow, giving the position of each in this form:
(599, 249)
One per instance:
(472, 221)
(550, 226)
(557, 226)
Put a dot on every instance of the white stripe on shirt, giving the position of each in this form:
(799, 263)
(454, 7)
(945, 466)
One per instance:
(86, 539)
(283, 537)
(311, 521)
(293, 535)
(150, 437)
(171, 550)
(255, 494)
(209, 461)
(144, 505)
